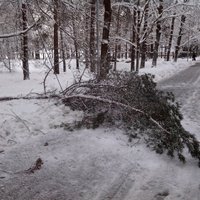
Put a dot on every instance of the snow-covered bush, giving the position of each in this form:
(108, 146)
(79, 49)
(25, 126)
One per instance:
(132, 102)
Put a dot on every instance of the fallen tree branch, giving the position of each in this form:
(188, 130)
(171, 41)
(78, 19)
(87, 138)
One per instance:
(29, 98)
(21, 120)
(96, 98)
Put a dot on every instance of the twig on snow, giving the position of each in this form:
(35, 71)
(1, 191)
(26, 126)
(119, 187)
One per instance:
(21, 120)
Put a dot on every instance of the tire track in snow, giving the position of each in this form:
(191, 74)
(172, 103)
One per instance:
(186, 88)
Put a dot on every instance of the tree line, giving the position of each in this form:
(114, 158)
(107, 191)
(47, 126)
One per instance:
(98, 33)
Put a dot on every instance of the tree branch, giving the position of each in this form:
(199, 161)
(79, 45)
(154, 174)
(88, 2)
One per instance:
(20, 32)
(118, 104)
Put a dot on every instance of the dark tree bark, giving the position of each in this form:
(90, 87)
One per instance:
(177, 47)
(25, 43)
(133, 40)
(63, 50)
(37, 51)
(119, 49)
(105, 58)
(56, 26)
(87, 39)
(62, 39)
(138, 36)
(170, 38)
(75, 43)
(158, 34)
(144, 43)
(127, 29)
(92, 37)
(126, 51)
(116, 41)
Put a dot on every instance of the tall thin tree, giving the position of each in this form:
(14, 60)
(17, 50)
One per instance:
(133, 39)
(25, 43)
(158, 34)
(171, 35)
(62, 42)
(138, 36)
(37, 49)
(87, 37)
(55, 39)
(105, 58)
(92, 36)
(170, 38)
(144, 42)
(116, 40)
(76, 46)
(62, 45)
(178, 43)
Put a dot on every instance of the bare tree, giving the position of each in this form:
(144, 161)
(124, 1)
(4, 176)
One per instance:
(138, 36)
(92, 36)
(25, 58)
(170, 38)
(63, 50)
(105, 60)
(158, 34)
(144, 42)
(116, 41)
(177, 47)
(75, 33)
(133, 40)
(56, 47)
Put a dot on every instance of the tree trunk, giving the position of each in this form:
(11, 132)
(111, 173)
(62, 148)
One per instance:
(126, 51)
(133, 40)
(25, 43)
(158, 34)
(55, 39)
(177, 47)
(92, 37)
(62, 39)
(75, 43)
(170, 38)
(105, 58)
(127, 30)
(144, 43)
(138, 36)
(86, 50)
(116, 40)
(37, 51)
(119, 49)
(63, 50)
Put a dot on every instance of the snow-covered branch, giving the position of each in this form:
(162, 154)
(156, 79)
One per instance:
(96, 98)
(9, 35)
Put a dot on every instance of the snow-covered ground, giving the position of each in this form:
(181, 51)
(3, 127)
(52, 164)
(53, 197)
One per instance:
(164, 69)
(11, 84)
(86, 164)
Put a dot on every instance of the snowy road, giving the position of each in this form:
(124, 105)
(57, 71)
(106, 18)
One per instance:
(186, 87)
(92, 164)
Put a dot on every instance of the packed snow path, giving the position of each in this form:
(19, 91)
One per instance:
(186, 87)
(91, 164)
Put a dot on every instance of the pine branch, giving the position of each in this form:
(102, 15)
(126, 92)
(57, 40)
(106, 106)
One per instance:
(96, 98)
